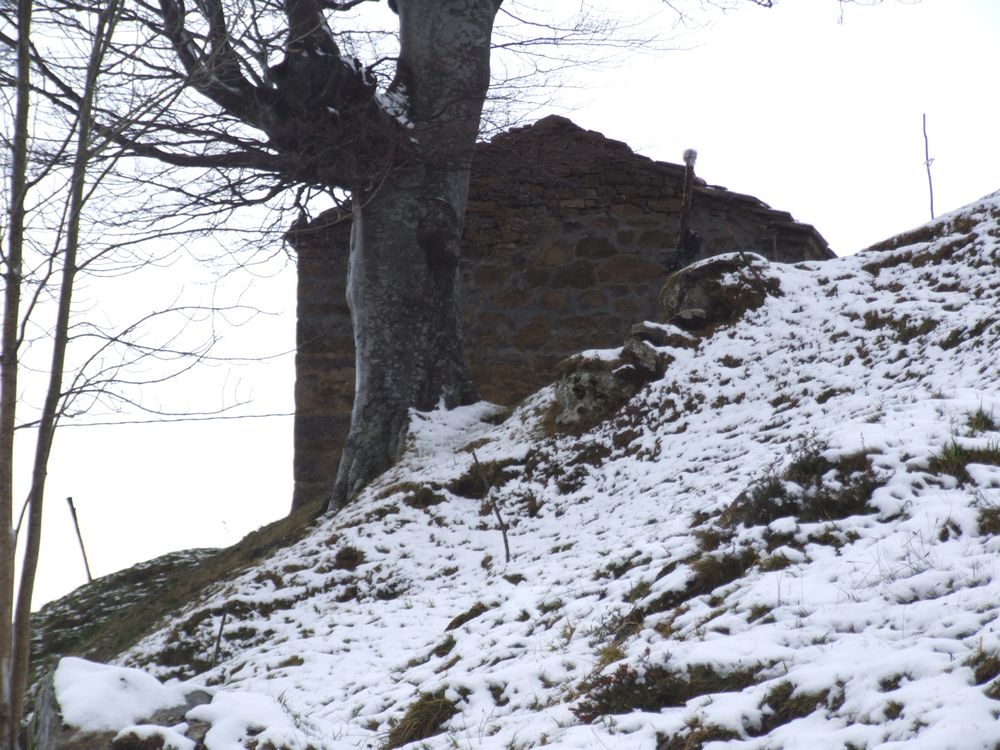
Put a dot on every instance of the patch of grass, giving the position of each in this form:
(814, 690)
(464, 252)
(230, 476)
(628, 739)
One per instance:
(269, 576)
(709, 572)
(958, 335)
(497, 693)
(712, 537)
(639, 591)
(992, 690)
(831, 536)
(888, 684)
(953, 459)
(774, 562)
(608, 655)
(948, 530)
(807, 490)
(730, 361)
(893, 710)
(784, 399)
(379, 513)
(980, 421)
(349, 593)
(591, 453)
(348, 558)
(444, 647)
(471, 484)
(988, 519)
(625, 690)
(696, 737)
(553, 605)
(783, 704)
(616, 569)
(424, 718)
(187, 657)
(829, 393)
(759, 612)
(386, 591)
(985, 665)
(905, 330)
(470, 614)
(423, 498)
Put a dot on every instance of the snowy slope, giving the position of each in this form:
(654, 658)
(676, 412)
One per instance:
(789, 541)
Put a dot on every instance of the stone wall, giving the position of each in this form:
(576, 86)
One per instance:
(566, 239)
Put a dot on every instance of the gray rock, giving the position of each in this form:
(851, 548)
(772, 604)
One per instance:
(717, 292)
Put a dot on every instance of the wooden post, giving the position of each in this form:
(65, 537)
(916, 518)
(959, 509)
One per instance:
(79, 536)
(690, 156)
(688, 242)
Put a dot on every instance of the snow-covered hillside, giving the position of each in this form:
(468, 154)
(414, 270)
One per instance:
(791, 540)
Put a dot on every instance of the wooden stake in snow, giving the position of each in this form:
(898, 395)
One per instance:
(218, 639)
(83, 551)
(927, 163)
(690, 156)
(688, 241)
(493, 504)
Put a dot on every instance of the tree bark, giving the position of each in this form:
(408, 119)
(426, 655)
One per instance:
(402, 285)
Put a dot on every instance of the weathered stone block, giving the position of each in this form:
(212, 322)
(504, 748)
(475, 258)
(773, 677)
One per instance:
(628, 268)
(552, 299)
(510, 298)
(666, 205)
(579, 274)
(535, 334)
(657, 240)
(595, 247)
(555, 253)
(592, 299)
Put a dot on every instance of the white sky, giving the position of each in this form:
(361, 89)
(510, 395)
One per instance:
(816, 117)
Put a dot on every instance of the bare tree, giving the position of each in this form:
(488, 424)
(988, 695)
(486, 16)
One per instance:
(67, 223)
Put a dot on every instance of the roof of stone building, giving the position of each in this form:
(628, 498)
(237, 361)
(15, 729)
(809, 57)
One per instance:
(554, 156)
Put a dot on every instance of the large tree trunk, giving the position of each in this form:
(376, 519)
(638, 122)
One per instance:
(406, 237)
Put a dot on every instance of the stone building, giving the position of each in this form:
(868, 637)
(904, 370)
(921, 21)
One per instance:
(565, 244)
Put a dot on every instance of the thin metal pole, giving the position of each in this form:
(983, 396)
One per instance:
(76, 525)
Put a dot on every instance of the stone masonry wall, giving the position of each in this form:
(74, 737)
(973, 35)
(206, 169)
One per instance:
(566, 237)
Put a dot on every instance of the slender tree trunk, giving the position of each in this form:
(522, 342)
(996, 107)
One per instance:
(16, 684)
(406, 241)
(9, 345)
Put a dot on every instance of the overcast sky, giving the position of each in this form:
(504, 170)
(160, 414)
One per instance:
(812, 112)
